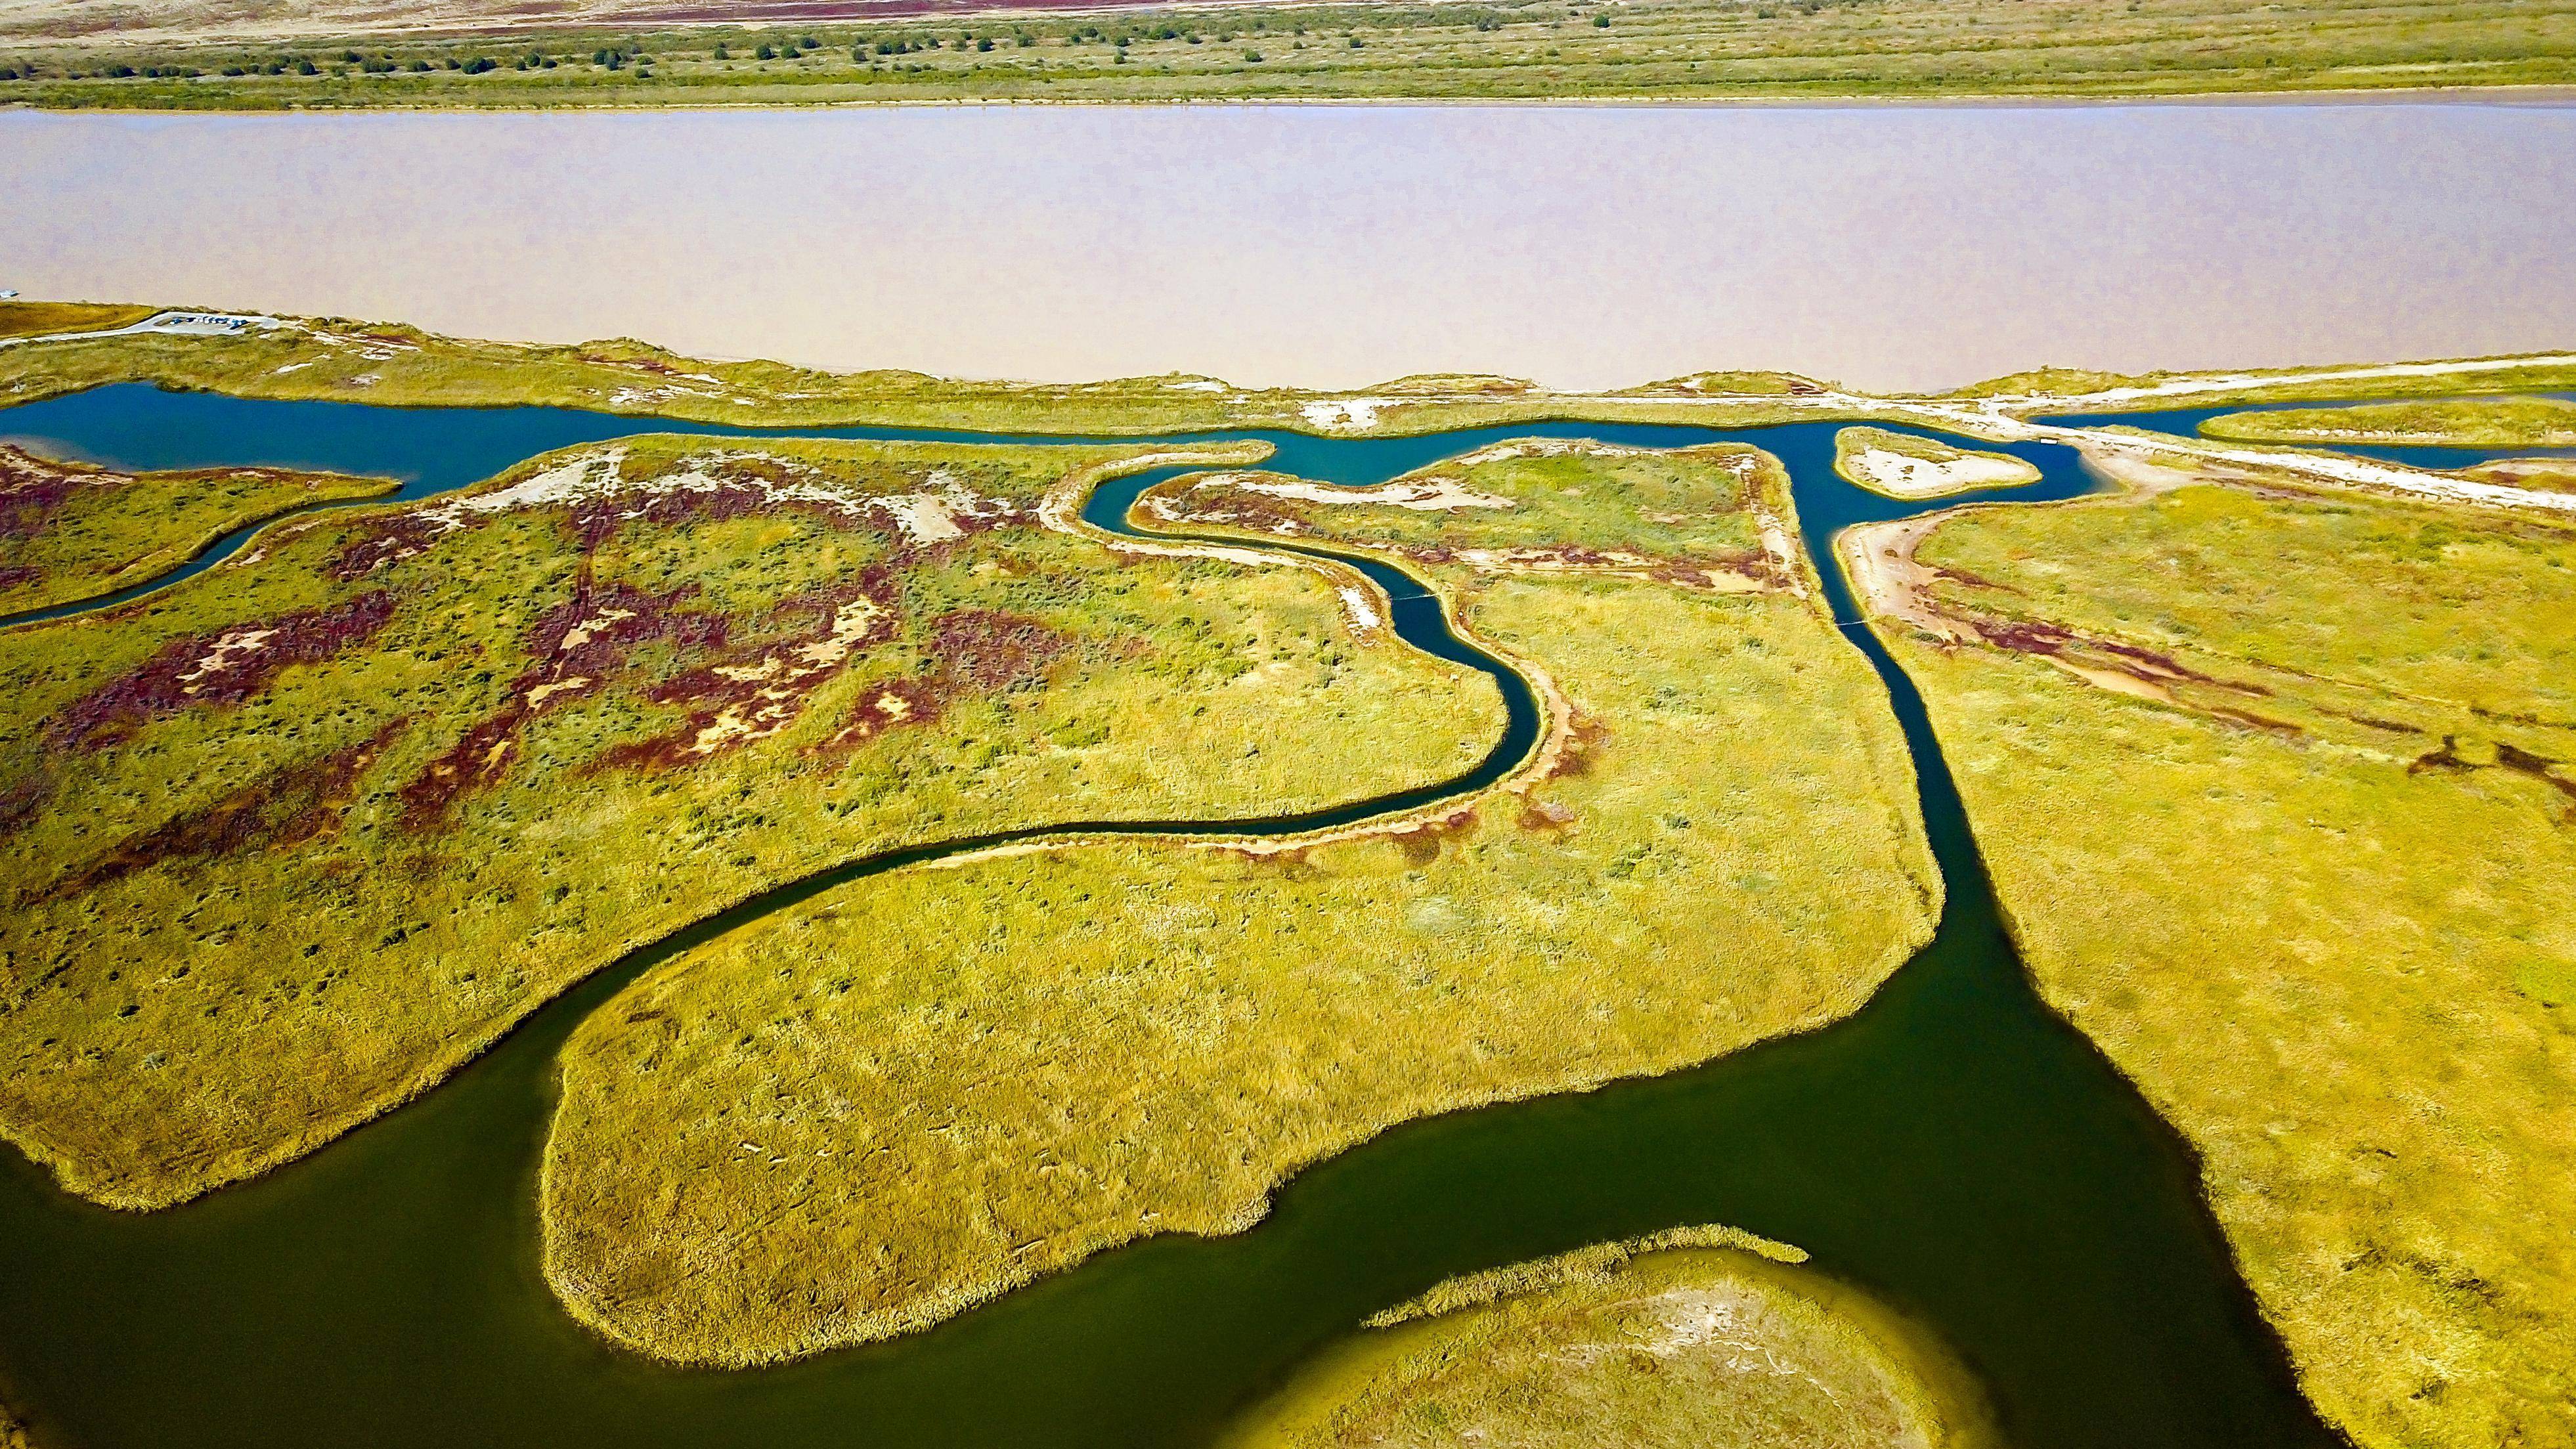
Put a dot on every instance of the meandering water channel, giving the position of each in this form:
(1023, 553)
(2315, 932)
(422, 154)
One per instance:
(1953, 1148)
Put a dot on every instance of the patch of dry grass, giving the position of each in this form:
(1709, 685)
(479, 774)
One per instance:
(68, 531)
(2302, 870)
(286, 843)
(924, 1088)
(1698, 1337)
(36, 319)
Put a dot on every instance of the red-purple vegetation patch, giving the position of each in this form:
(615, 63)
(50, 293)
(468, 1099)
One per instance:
(32, 490)
(760, 690)
(580, 645)
(287, 807)
(224, 668)
(986, 649)
(894, 704)
(972, 651)
(384, 540)
(2031, 637)
(1242, 508)
(14, 575)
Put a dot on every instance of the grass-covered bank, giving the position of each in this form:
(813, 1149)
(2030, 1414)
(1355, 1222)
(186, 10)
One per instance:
(2487, 422)
(1704, 1337)
(2275, 789)
(922, 1089)
(73, 532)
(184, 56)
(396, 365)
(357, 800)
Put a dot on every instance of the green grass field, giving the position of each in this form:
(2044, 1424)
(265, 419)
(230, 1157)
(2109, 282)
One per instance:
(73, 532)
(359, 799)
(2503, 422)
(922, 1089)
(1519, 49)
(2273, 789)
(1704, 1338)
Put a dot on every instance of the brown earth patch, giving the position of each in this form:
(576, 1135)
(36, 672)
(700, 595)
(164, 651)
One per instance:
(224, 668)
(1421, 841)
(21, 798)
(1545, 817)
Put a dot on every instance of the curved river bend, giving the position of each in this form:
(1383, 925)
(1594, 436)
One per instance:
(1953, 1148)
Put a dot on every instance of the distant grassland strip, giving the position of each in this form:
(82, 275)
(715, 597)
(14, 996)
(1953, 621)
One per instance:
(2500, 422)
(392, 364)
(162, 54)
(285, 844)
(1703, 1337)
(395, 365)
(909, 1095)
(69, 531)
(2277, 793)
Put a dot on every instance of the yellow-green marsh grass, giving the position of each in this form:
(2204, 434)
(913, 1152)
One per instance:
(1693, 1339)
(2487, 422)
(1901, 465)
(69, 531)
(924, 1088)
(286, 843)
(2301, 869)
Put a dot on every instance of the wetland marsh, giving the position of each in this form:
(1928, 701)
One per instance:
(1951, 1147)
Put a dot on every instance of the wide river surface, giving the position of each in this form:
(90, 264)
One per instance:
(1953, 1149)
(1884, 246)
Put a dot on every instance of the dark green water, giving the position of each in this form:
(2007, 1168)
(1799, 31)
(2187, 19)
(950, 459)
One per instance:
(1952, 1148)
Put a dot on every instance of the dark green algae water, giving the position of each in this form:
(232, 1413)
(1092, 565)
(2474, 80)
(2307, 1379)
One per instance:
(1954, 1149)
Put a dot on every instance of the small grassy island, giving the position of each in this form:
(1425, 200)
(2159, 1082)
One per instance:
(72, 532)
(364, 795)
(1699, 1337)
(1903, 465)
(2276, 786)
(2485, 422)
(922, 1089)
